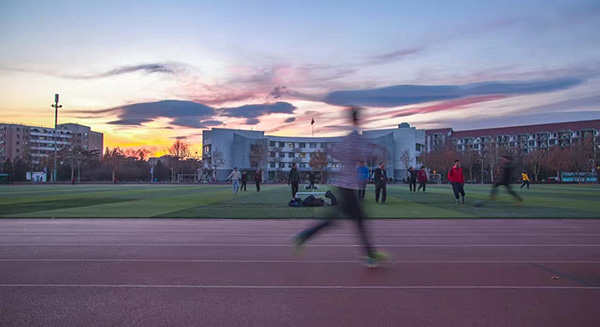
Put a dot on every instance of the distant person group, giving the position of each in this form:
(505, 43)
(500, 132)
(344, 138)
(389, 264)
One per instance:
(236, 178)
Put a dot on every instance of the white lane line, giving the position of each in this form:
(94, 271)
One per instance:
(301, 261)
(288, 245)
(333, 287)
(249, 234)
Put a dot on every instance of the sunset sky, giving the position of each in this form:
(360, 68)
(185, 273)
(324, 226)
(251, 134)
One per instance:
(146, 72)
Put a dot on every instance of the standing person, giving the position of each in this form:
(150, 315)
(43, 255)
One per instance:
(235, 179)
(457, 179)
(363, 179)
(525, 178)
(422, 178)
(380, 178)
(258, 179)
(311, 180)
(348, 152)
(506, 170)
(244, 178)
(294, 179)
(412, 180)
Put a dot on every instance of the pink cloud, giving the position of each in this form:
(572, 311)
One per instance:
(447, 105)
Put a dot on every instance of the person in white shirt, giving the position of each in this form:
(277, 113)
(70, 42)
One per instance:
(235, 179)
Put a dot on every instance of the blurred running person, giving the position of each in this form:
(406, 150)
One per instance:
(457, 180)
(412, 180)
(380, 179)
(506, 170)
(294, 179)
(258, 179)
(348, 152)
(363, 178)
(422, 178)
(235, 179)
(525, 178)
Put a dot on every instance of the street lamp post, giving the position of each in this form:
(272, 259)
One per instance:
(55, 106)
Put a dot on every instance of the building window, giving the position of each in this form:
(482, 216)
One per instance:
(272, 165)
(290, 154)
(281, 154)
(272, 143)
(282, 165)
(313, 145)
(290, 145)
(302, 155)
(303, 165)
(302, 145)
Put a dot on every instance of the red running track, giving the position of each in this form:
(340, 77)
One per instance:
(242, 273)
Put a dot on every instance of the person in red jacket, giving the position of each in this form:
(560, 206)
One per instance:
(456, 178)
(422, 178)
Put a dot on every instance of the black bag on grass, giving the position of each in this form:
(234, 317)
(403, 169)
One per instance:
(331, 197)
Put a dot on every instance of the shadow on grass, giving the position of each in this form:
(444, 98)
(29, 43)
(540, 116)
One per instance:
(7, 210)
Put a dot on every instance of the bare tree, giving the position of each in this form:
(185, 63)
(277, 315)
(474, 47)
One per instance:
(406, 159)
(217, 159)
(558, 160)
(318, 162)
(114, 159)
(469, 158)
(258, 153)
(180, 150)
(536, 160)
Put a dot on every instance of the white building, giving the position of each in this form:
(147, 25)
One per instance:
(283, 151)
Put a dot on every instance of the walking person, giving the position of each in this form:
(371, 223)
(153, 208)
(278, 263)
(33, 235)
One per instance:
(258, 179)
(506, 170)
(363, 178)
(243, 179)
(380, 178)
(457, 179)
(422, 178)
(235, 179)
(347, 152)
(412, 180)
(311, 180)
(294, 179)
(525, 178)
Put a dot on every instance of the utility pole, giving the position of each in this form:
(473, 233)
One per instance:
(55, 106)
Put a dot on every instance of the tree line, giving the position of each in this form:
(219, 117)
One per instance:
(540, 164)
(116, 164)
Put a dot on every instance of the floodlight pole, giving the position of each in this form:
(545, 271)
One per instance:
(55, 106)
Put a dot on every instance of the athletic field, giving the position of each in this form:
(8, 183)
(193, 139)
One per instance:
(217, 201)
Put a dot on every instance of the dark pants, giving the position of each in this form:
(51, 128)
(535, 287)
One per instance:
(362, 190)
(348, 205)
(294, 188)
(243, 187)
(380, 188)
(422, 185)
(458, 188)
(412, 185)
(525, 183)
(508, 189)
(257, 186)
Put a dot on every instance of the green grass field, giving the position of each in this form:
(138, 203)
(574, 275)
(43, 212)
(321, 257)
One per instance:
(216, 201)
